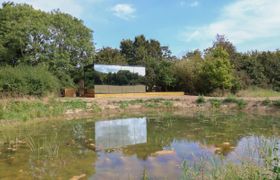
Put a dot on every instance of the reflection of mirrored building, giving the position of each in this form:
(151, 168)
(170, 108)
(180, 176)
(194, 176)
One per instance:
(120, 133)
(110, 79)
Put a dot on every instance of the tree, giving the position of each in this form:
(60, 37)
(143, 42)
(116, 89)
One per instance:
(153, 56)
(187, 72)
(225, 44)
(110, 56)
(270, 62)
(217, 71)
(56, 40)
(165, 76)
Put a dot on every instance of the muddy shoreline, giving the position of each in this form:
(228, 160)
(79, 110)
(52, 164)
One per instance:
(111, 107)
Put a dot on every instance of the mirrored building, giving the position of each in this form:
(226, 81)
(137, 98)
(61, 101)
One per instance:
(110, 79)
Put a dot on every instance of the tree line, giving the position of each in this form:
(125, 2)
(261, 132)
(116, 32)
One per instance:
(59, 45)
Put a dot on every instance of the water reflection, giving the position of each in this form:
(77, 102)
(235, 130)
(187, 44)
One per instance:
(120, 133)
(128, 147)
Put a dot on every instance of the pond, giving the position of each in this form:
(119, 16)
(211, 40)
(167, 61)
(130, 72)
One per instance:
(157, 145)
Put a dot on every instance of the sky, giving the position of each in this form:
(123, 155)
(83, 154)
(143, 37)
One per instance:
(141, 71)
(183, 25)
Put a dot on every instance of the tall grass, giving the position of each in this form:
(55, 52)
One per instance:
(239, 102)
(31, 109)
(149, 103)
(258, 92)
(210, 168)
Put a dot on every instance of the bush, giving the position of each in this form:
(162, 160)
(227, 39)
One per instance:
(232, 99)
(200, 100)
(266, 102)
(216, 103)
(26, 80)
(276, 103)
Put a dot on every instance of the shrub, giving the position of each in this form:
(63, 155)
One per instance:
(26, 80)
(230, 99)
(276, 103)
(266, 102)
(239, 102)
(200, 100)
(216, 103)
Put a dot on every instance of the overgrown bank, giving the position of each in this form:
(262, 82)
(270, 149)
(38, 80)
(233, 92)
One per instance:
(29, 109)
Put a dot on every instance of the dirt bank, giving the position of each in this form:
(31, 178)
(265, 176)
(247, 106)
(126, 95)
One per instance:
(77, 108)
(186, 103)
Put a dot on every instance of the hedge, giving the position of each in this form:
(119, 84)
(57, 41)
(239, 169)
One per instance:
(27, 80)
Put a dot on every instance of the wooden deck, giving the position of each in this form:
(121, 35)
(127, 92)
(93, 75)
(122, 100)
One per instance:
(147, 94)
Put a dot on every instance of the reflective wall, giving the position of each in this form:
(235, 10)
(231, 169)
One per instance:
(118, 79)
(120, 133)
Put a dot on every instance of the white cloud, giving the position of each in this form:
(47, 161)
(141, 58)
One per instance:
(194, 4)
(124, 11)
(241, 21)
(190, 3)
(72, 7)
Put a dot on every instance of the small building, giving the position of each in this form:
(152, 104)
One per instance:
(115, 79)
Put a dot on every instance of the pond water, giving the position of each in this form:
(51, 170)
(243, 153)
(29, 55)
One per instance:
(131, 147)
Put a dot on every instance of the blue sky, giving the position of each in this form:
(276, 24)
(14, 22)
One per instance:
(183, 25)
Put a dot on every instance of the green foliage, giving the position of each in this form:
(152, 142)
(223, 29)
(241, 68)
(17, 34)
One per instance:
(75, 104)
(200, 100)
(239, 102)
(230, 99)
(276, 103)
(27, 80)
(21, 110)
(258, 92)
(168, 103)
(216, 103)
(56, 40)
(64, 46)
(124, 104)
(26, 110)
(217, 71)
(155, 58)
(149, 103)
(266, 102)
(110, 56)
(187, 72)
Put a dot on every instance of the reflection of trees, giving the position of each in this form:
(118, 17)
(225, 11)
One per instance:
(209, 131)
(122, 77)
(52, 151)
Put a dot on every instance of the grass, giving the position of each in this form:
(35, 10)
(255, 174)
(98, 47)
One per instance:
(239, 102)
(268, 102)
(31, 109)
(276, 103)
(216, 103)
(213, 168)
(149, 103)
(258, 92)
